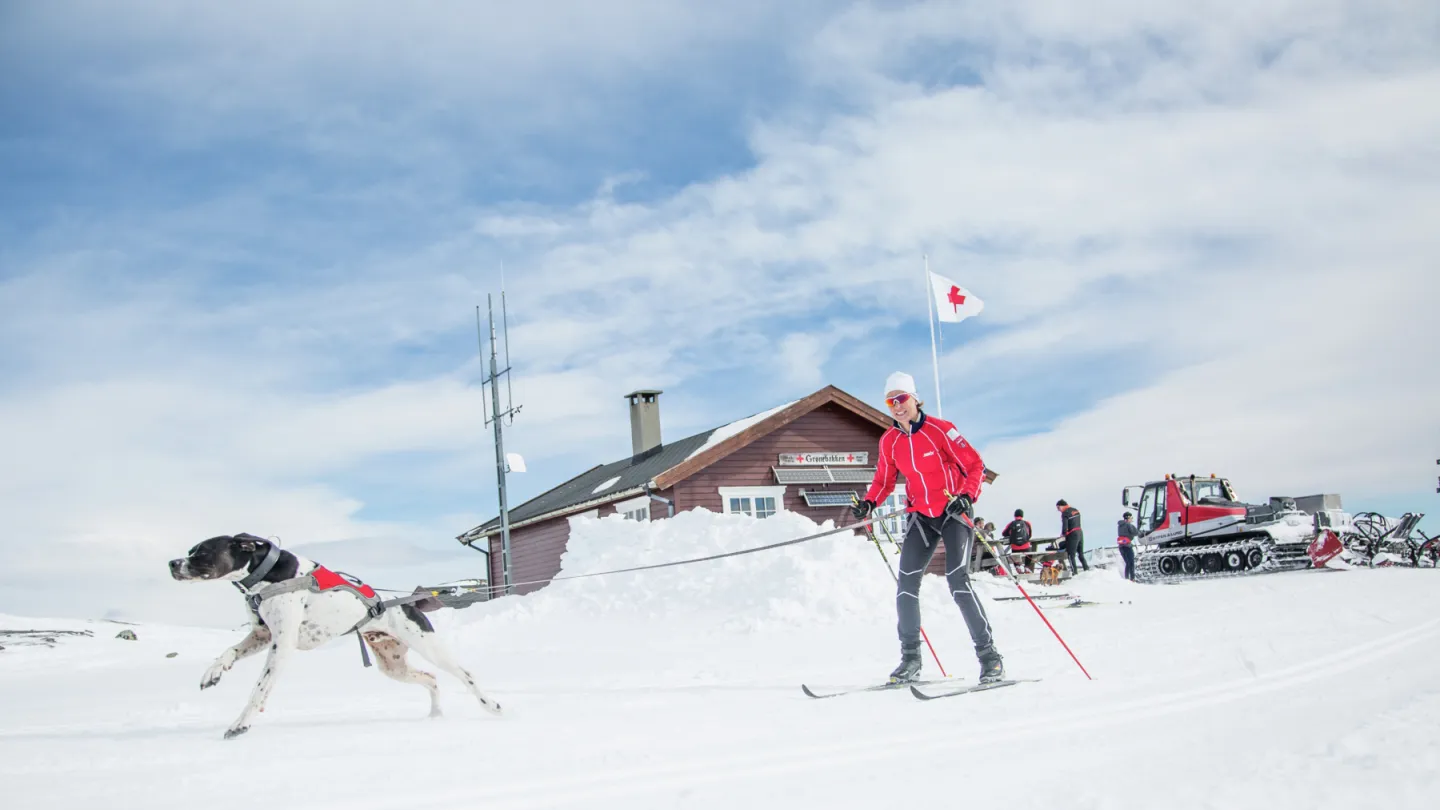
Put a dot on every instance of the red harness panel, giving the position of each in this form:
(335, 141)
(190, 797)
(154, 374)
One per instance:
(325, 579)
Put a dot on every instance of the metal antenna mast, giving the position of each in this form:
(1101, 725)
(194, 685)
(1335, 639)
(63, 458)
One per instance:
(497, 419)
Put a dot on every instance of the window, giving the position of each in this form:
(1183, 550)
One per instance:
(1198, 490)
(634, 509)
(760, 507)
(759, 502)
(896, 504)
(1152, 509)
(1212, 488)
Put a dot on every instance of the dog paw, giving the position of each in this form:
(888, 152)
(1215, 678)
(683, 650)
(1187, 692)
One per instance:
(212, 675)
(235, 731)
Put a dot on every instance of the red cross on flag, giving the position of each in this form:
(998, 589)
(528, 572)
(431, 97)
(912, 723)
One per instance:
(953, 303)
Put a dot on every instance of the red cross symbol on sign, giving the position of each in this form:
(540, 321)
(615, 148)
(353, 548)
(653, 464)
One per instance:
(956, 298)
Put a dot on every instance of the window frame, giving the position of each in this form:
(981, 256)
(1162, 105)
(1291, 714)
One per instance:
(1149, 519)
(899, 522)
(1214, 484)
(752, 493)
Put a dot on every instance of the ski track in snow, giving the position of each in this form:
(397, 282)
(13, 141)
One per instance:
(682, 690)
(634, 782)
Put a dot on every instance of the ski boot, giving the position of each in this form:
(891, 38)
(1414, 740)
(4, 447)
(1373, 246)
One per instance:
(992, 666)
(909, 665)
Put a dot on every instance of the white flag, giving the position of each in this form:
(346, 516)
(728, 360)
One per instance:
(954, 303)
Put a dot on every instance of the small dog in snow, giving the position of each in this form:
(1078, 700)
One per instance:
(308, 606)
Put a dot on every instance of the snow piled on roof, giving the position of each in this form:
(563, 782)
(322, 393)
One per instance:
(726, 431)
(604, 485)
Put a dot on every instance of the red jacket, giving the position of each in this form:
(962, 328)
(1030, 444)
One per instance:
(934, 458)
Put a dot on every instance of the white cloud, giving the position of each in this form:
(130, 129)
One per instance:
(1288, 393)
(1237, 202)
(1206, 211)
(802, 358)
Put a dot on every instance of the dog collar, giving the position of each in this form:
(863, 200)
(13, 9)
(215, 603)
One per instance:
(258, 575)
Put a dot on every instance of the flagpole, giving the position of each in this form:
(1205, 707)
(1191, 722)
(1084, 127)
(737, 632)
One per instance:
(934, 355)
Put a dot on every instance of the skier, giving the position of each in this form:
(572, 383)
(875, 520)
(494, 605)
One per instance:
(1072, 537)
(1125, 536)
(1017, 534)
(943, 474)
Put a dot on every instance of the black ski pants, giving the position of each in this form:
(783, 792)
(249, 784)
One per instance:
(1075, 547)
(921, 539)
(1128, 555)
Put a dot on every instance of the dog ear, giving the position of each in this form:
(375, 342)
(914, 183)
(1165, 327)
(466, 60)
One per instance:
(248, 542)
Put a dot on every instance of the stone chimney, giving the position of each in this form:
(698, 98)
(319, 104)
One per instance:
(644, 420)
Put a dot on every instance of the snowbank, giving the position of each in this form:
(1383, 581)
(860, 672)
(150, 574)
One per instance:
(830, 579)
(646, 702)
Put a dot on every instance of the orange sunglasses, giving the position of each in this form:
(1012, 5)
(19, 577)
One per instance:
(898, 399)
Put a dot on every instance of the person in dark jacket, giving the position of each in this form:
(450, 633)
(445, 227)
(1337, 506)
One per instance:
(1017, 534)
(1072, 538)
(1125, 535)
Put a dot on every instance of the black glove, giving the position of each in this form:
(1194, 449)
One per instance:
(862, 509)
(958, 506)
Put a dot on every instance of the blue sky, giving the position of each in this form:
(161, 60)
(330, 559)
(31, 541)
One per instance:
(240, 251)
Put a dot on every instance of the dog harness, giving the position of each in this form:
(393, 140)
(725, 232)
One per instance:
(320, 580)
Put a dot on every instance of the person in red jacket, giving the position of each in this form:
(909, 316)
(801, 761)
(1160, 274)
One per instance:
(943, 475)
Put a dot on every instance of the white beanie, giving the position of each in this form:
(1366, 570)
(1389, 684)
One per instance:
(900, 381)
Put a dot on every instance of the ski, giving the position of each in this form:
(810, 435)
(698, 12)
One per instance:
(1080, 603)
(879, 687)
(965, 690)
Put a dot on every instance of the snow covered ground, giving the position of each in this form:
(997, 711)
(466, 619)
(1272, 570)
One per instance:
(680, 688)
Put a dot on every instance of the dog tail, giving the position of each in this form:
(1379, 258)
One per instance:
(414, 614)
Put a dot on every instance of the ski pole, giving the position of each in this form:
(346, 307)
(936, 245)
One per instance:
(876, 540)
(891, 537)
(1009, 572)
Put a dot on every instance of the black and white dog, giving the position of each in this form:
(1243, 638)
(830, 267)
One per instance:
(294, 618)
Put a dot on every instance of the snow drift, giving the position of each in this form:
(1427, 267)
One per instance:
(839, 579)
(679, 687)
(824, 580)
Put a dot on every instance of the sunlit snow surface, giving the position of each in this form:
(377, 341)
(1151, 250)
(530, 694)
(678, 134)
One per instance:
(680, 688)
